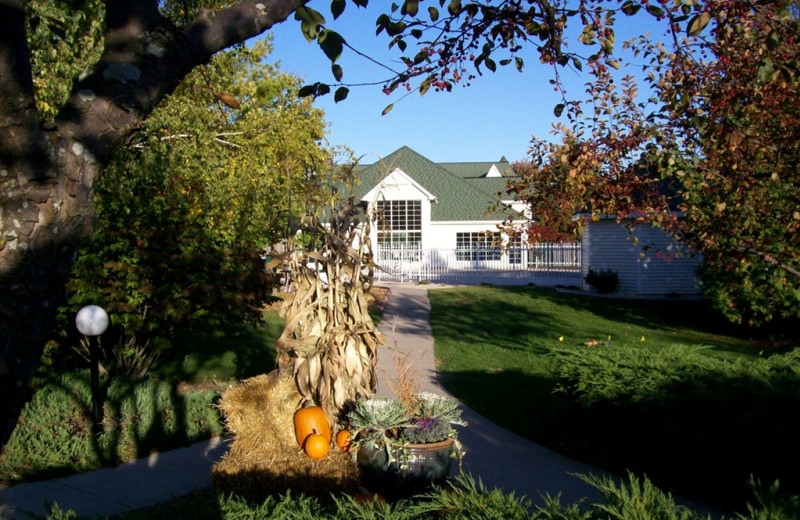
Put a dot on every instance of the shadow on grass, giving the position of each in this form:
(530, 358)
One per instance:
(55, 436)
(173, 408)
(222, 354)
(701, 438)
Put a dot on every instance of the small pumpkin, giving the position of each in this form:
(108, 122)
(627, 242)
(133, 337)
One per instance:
(310, 420)
(344, 440)
(316, 446)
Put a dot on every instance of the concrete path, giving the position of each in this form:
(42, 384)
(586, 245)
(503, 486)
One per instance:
(499, 458)
(141, 483)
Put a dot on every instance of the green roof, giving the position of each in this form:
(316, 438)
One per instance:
(461, 191)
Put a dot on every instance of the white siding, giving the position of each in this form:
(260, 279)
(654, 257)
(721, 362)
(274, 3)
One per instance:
(611, 247)
(666, 266)
(655, 265)
(399, 186)
(442, 235)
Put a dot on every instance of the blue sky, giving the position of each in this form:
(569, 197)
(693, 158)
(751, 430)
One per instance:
(492, 118)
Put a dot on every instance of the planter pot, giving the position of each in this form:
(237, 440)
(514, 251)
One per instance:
(414, 470)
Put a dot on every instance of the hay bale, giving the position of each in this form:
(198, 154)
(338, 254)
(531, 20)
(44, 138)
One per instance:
(264, 458)
(255, 479)
(260, 414)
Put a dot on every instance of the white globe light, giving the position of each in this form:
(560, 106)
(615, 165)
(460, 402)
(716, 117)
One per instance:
(91, 320)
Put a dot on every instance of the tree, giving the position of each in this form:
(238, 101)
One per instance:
(197, 191)
(713, 158)
(48, 166)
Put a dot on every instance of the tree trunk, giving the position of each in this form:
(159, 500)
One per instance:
(47, 169)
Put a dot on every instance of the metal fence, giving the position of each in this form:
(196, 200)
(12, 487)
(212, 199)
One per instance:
(544, 264)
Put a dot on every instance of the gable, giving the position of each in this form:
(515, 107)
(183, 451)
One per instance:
(398, 185)
(454, 198)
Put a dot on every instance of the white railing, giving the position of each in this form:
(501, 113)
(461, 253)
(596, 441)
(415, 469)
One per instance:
(544, 264)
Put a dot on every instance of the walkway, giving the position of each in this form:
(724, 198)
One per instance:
(498, 457)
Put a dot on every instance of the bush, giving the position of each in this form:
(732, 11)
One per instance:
(663, 411)
(164, 269)
(604, 281)
(463, 498)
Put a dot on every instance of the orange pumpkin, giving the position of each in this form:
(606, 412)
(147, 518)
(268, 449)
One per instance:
(310, 420)
(316, 446)
(343, 440)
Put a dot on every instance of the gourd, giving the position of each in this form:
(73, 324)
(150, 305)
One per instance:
(343, 439)
(310, 420)
(316, 446)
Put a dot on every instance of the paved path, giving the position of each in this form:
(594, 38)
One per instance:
(498, 457)
(112, 491)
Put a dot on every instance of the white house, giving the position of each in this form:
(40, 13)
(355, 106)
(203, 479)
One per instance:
(439, 221)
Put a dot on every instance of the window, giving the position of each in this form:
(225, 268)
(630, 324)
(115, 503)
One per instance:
(478, 246)
(399, 222)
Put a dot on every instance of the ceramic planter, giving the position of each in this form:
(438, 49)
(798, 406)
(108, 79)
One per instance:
(414, 469)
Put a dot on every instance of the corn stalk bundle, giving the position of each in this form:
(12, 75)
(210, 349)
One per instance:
(330, 343)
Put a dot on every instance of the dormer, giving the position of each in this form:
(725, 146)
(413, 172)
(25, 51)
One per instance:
(493, 172)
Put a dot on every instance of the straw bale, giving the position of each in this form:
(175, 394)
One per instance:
(259, 412)
(255, 479)
(264, 458)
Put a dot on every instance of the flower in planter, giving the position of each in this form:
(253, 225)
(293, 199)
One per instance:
(391, 424)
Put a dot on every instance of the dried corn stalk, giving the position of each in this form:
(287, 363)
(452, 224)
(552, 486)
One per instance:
(330, 343)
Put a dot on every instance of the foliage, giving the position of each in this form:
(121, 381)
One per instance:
(384, 422)
(711, 156)
(465, 497)
(55, 435)
(622, 376)
(640, 392)
(163, 270)
(770, 504)
(636, 499)
(198, 207)
(65, 38)
(604, 281)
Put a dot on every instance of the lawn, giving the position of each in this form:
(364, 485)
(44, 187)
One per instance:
(173, 407)
(663, 388)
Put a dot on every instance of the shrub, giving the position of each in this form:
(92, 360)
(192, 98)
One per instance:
(604, 281)
(664, 410)
(164, 269)
(462, 498)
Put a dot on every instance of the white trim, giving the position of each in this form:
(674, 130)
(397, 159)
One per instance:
(466, 222)
(493, 172)
(396, 177)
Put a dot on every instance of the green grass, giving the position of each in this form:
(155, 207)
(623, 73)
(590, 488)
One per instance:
(222, 355)
(670, 390)
(172, 408)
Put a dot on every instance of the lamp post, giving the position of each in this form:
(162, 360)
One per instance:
(91, 321)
